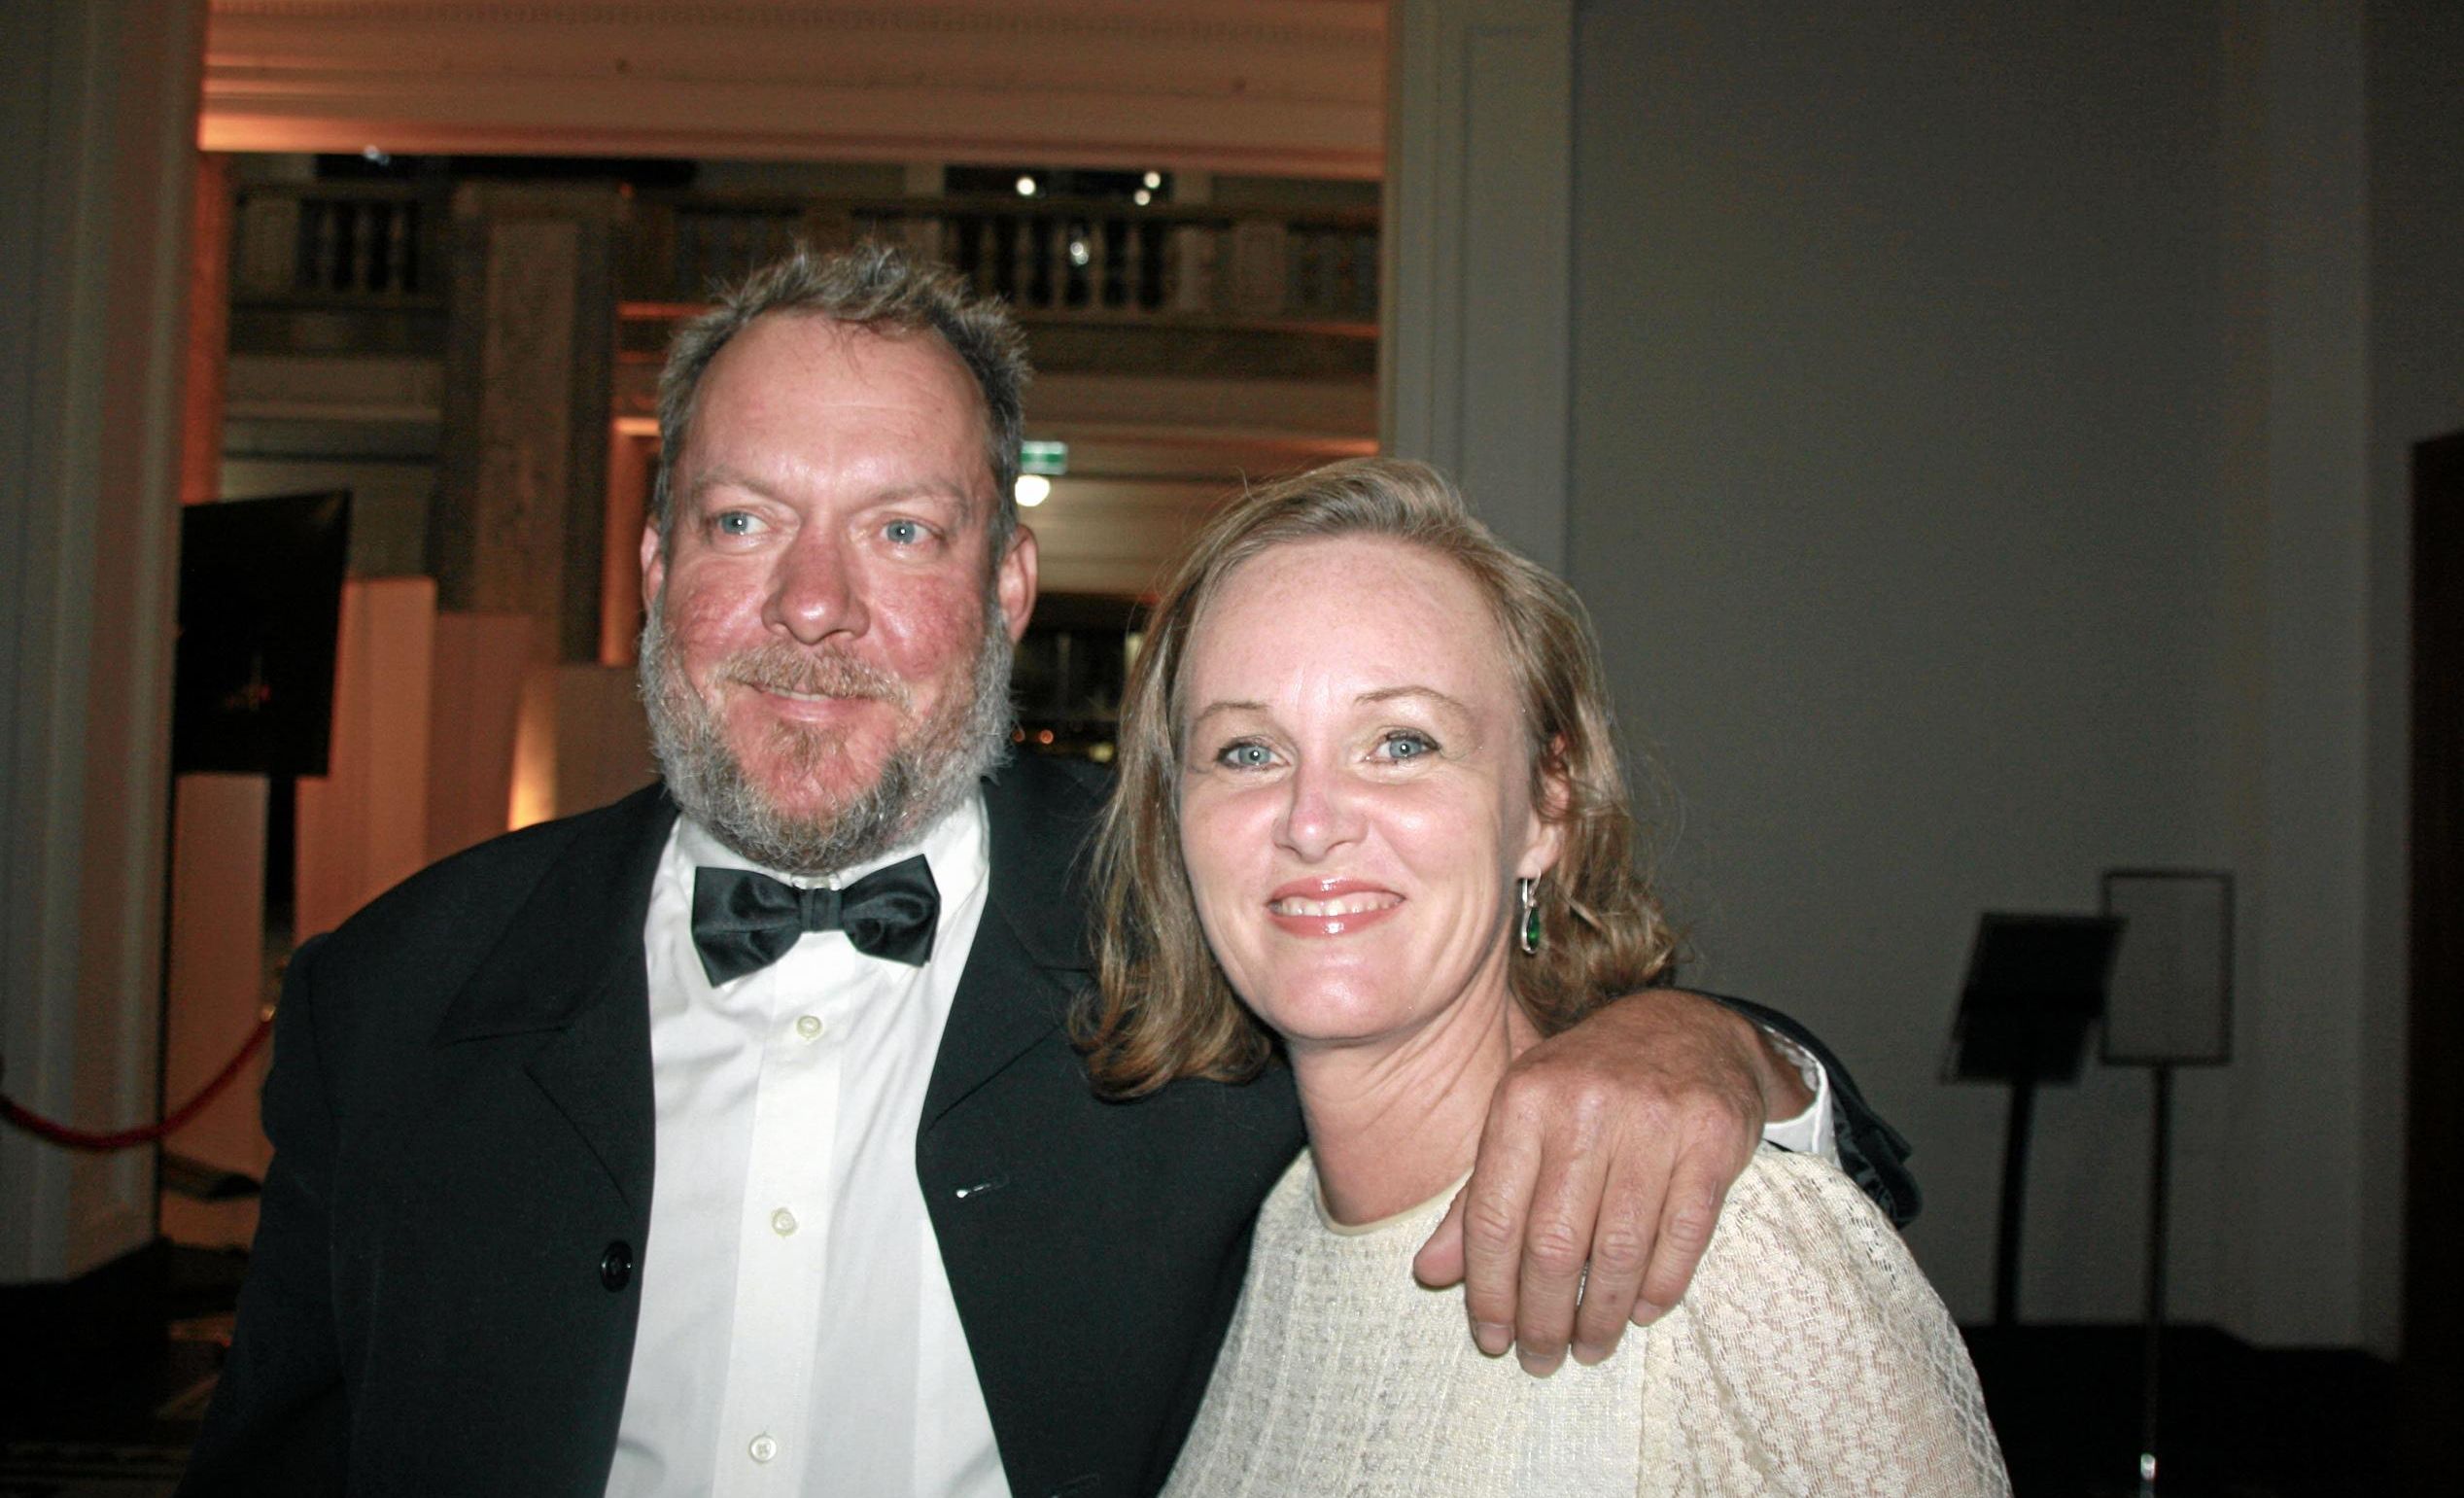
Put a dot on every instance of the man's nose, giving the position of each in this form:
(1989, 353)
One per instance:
(816, 591)
(1324, 813)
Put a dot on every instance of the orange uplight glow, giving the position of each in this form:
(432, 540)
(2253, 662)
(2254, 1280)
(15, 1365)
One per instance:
(533, 798)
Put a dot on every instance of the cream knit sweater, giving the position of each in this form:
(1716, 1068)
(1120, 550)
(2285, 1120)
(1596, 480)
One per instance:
(1809, 1357)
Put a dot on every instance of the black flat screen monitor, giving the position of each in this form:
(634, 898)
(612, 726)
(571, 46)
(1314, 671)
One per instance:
(261, 609)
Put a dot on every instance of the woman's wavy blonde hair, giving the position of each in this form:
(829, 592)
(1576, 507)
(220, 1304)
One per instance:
(1163, 1009)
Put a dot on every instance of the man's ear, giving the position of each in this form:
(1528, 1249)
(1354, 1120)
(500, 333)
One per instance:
(1014, 582)
(654, 566)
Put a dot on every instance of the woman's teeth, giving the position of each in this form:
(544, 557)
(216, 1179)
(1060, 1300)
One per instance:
(1345, 905)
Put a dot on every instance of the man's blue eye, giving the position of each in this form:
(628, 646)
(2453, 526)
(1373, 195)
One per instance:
(734, 522)
(905, 533)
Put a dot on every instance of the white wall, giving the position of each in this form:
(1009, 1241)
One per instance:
(1970, 481)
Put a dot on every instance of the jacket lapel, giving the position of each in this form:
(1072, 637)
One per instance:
(570, 964)
(1030, 958)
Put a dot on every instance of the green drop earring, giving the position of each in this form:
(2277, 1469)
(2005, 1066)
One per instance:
(1528, 892)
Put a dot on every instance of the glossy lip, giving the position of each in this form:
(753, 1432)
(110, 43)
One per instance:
(1330, 889)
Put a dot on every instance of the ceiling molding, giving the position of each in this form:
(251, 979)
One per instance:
(1340, 24)
(1268, 87)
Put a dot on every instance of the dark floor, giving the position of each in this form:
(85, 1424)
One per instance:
(103, 1384)
(2236, 1421)
(101, 1389)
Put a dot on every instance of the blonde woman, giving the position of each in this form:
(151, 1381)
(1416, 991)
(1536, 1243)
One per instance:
(1371, 817)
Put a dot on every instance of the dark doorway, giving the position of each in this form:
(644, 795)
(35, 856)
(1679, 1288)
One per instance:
(2434, 1232)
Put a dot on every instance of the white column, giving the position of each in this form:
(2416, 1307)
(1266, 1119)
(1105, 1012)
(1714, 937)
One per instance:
(363, 824)
(98, 103)
(2293, 1259)
(1477, 256)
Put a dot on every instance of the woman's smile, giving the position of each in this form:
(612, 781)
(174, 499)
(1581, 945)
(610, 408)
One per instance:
(1331, 907)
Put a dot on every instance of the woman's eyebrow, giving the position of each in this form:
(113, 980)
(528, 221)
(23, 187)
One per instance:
(1214, 708)
(1381, 694)
(1392, 693)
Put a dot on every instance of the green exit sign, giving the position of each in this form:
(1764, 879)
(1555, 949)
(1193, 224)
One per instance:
(1049, 459)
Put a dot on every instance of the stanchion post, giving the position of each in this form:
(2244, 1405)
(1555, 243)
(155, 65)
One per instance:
(2159, 1173)
(2015, 1140)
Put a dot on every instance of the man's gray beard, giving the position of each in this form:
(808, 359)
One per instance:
(927, 775)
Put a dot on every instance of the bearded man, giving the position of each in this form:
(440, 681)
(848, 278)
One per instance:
(730, 1138)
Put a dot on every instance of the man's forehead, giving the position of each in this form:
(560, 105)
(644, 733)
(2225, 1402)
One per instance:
(815, 337)
(783, 359)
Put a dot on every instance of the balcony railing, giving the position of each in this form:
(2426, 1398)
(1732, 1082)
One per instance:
(374, 247)
(371, 244)
(1101, 261)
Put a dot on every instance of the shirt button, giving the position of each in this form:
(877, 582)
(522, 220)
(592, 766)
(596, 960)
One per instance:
(763, 1448)
(782, 1222)
(809, 1026)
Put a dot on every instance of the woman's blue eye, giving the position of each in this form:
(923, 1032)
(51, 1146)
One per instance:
(1407, 745)
(1245, 756)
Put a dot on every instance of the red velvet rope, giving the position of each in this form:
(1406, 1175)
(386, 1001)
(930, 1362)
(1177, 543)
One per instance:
(67, 1138)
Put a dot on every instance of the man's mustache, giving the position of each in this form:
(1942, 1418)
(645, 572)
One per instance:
(818, 671)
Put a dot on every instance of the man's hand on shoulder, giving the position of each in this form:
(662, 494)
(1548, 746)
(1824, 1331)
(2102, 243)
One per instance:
(1608, 1152)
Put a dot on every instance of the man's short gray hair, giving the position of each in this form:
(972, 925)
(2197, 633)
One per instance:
(875, 287)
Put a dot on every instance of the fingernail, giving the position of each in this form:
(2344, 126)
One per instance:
(1535, 1364)
(1588, 1353)
(1493, 1336)
(1645, 1313)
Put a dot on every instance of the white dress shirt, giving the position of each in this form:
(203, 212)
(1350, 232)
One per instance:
(1813, 1132)
(797, 1331)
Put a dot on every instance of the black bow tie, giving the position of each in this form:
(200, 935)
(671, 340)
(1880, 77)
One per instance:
(742, 921)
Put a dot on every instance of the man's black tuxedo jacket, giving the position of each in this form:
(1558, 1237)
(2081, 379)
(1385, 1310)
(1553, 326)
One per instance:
(454, 1233)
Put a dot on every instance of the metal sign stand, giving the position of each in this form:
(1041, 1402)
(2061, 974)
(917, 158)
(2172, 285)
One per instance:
(2035, 986)
(2170, 1005)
